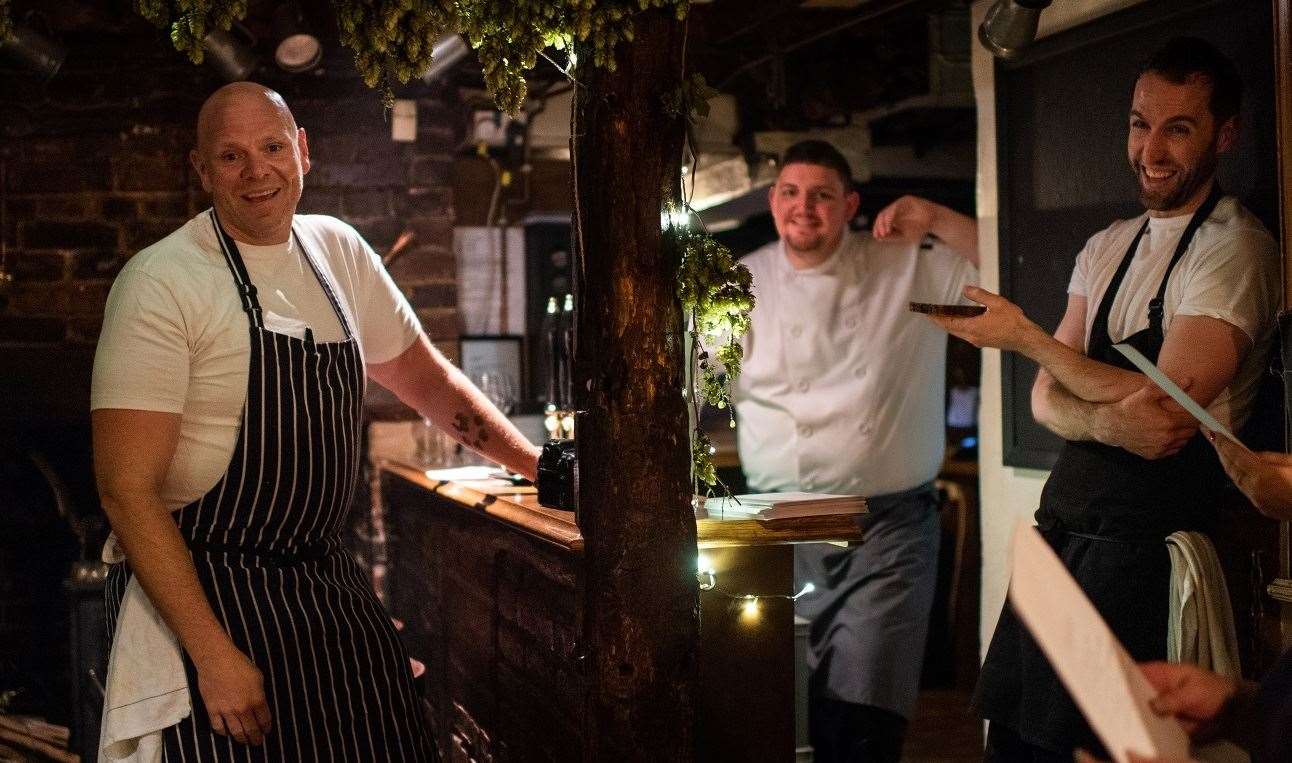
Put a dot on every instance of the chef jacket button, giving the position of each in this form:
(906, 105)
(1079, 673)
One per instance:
(859, 371)
(850, 323)
(802, 386)
(866, 427)
(796, 331)
(805, 431)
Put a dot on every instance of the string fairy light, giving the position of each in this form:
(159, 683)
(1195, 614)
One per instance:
(750, 604)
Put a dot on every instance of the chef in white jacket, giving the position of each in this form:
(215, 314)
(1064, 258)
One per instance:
(842, 392)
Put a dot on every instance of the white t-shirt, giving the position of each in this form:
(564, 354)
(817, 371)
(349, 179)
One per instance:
(842, 386)
(1230, 272)
(175, 337)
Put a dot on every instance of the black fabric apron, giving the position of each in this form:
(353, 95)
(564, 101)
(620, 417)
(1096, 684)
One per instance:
(1107, 513)
(266, 543)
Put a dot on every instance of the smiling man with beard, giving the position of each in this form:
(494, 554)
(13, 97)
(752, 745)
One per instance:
(1193, 284)
(841, 391)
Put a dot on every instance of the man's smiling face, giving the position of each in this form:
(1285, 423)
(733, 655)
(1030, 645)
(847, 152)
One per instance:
(252, 159)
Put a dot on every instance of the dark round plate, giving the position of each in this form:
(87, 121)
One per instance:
(948, 311)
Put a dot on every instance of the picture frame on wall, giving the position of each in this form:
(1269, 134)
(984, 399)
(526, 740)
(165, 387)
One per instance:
(496, 364)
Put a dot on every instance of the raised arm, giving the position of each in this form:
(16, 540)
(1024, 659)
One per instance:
(428, 383)
(132, 452)
(911, 218)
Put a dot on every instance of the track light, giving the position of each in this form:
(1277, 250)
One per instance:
(229, 56)
(32, 50)
(298, 50)
(448, 50)
(1010, 26)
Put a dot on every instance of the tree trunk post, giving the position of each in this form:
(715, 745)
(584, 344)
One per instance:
(641, 615)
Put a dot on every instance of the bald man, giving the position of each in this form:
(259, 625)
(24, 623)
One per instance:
(227, 393)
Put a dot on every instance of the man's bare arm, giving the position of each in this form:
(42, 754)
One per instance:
(132, 452)
(428, 383)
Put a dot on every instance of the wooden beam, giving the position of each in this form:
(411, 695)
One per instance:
(641, 598)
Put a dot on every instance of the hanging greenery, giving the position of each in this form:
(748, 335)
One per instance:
(392, 39)
(190, 21)
(6, 20)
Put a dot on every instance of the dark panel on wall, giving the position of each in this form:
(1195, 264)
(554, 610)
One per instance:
(1063, 172)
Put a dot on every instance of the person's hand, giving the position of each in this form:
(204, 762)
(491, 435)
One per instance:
(233, 690)
(1265, 478)
(1003, 325)
(909, 219)
(1188, 693)
(1146, 422)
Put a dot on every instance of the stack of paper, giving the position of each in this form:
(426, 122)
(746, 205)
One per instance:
(783, 505)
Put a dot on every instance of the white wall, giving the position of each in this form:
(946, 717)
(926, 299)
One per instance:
(1008, 493)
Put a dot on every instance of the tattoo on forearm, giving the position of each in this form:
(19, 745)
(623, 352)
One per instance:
(470, 429)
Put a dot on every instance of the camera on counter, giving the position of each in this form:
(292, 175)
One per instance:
(558, 473)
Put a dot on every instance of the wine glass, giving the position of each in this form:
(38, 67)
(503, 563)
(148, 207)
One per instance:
(499, 389)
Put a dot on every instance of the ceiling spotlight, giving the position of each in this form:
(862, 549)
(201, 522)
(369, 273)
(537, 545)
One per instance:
(1010, 26)
(228, 55)
(446, 52)
(298, 49)
(32, 50)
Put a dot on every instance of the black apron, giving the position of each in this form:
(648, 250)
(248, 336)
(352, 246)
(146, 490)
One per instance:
(1107, 513)
(266, 543)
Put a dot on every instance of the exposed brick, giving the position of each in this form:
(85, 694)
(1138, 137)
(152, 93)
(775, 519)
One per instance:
(42, 299)
(88, 297)
(434, 295)
(23, 329)
(382, 170)
(168, 205)
(367, 202)
(431, 171)
(84, 328)
(379, 233)
(320, 201)
(441, 325)
(97, 264)
(430, 263)
(425, 201)
(54, 235)
(160, 171)
(31, 266)
(59, 175)
(144, 233)
(64, 207)
(118, 208)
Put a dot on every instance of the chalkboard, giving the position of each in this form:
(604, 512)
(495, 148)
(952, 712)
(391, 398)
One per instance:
(1063, 175)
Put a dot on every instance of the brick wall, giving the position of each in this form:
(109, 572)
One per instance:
(96, 169)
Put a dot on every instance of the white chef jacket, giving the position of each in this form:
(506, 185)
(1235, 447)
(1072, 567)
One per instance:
(842, 387)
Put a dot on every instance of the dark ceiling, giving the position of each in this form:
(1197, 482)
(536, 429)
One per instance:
(792, 64)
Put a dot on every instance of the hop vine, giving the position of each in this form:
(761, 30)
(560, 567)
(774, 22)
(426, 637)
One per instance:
(392, 39)
(6, 20)
(716, 293)
(190, 21)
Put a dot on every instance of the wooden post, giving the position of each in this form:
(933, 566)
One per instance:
(640, 596)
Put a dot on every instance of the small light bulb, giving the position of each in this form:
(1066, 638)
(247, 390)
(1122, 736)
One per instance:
(750, 608)
(712, 450)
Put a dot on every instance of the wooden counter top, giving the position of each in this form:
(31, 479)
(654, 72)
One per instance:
(518, 506)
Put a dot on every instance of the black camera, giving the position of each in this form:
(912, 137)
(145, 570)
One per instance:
(558, 473)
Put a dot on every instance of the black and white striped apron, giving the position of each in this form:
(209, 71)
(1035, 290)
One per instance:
(266, 543)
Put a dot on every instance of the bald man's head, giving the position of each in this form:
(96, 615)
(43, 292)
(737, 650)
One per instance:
(252, 158)
(237, 97)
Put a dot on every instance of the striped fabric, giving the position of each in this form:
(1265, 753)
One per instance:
(266, 545)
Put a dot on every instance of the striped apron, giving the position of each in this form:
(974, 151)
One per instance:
(266, 543)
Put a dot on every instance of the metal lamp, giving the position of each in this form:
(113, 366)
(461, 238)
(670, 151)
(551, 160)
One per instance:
(228, 55)
(298, 49)
(33, 50)
(1010, 26)
(446, 52)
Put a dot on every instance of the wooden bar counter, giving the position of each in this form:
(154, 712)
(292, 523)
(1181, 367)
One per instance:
(487, 583)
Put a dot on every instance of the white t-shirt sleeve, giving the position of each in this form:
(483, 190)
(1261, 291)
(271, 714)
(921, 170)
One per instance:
(949, 274)
(387, 323)
(143, 356)
(1235, 281)
(1079, 284)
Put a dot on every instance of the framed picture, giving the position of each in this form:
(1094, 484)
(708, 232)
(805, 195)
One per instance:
(495, 364)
